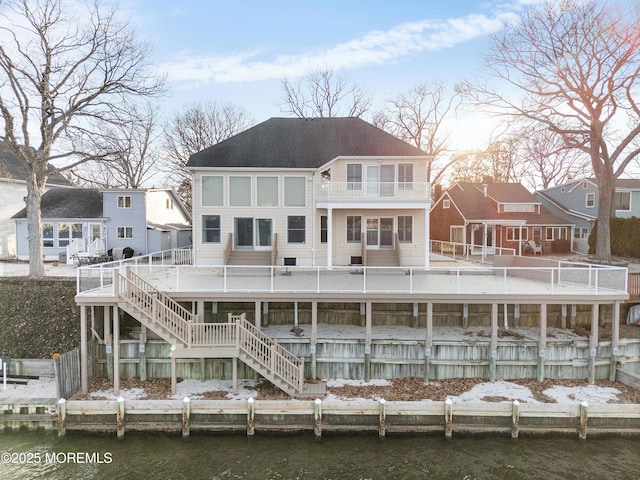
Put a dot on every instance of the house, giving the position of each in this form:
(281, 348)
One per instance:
(324, 191)
(311, 246)
(88, 222)
(577, 201)
(487, 217)
(13, 190)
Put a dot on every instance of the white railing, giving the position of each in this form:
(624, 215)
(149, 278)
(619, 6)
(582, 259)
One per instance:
(564, 278)
(468, 251)
(97, 247)
(372, 191)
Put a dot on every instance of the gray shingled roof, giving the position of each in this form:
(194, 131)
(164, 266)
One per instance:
(11, 167)
(69, 203)
(301, 143)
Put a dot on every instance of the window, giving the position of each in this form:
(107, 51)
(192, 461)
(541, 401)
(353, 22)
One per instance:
(622, 201)
(323, 229)
(354, 229)
(66, 231)
(267, 191)
(124, 232)
(446, 204)
(354, 176)
(591, 200)
(457, 234)
(294, 191)
(296, 229)
(405, 228)
(405, 176)
(556, 233)
(585, 185)
(169, 204)
(518, 207)
(581, 232)
(513, 234)
(562, 189)
(47, 235)
(212, 191)
(240, 191)
(536, 235)
(124, 201)
(211, 229)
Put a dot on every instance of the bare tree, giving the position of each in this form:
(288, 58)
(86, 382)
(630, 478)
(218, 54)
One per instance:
(576, 65)
(193, 129)
(64, 74)
(418, 116)
(323, 93)
(129, 150)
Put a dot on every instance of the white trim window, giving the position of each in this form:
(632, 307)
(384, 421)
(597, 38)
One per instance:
(405, 228)
(456, 234)
(212, 190)
(124, 232)
(446, 204)
(239, 191)
(67, 231)
(296, 229)
(513, 234)
(556, 233)
(581, 232)
(47, 235)
(622, 201)
(211, 229)
(405, 176)
(295, 191)
(590, 201)
(354, 229)
(124, 201)
(267, 191)
(324, 232)
(354, 176)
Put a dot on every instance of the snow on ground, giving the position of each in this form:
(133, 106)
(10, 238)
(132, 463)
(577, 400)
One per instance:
(593, 394)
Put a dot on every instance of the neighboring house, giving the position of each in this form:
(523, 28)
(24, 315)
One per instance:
(325, 191)
(577, 201)
(87, 221)
(13, 190)
(489, 216)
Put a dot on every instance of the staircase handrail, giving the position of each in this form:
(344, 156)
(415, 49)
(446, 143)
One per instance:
(160, 307)
(267, 352)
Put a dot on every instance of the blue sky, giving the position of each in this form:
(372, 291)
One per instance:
(238, 51)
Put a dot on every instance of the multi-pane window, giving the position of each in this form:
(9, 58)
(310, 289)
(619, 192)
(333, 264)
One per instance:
(581, 232)
(47, 235)
(124, 201)
(405, 176)
(267, 194)
(457, 234)
(295, 191)
(354, 176)
(556, 233)
(323, 229)
(622, 201)
(405, 228)
(211, 229)
(68, 231)
(240, 191)
(354, 229)
(513, 234)
(124, 232)
(296, 229)
(212, 191)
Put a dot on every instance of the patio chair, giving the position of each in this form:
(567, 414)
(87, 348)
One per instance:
(535, 248)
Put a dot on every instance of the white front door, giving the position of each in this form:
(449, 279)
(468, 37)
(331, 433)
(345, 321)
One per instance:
(379, 232)
(253, 233)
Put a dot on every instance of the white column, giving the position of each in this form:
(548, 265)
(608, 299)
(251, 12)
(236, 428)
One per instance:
(427, 239)
(329, 237)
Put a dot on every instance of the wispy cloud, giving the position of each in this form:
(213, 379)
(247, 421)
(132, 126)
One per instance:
(377, 47)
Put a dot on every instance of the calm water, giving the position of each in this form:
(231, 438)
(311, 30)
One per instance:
(301, 456)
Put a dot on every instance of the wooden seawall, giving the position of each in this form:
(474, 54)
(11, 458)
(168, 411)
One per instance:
(381, 417)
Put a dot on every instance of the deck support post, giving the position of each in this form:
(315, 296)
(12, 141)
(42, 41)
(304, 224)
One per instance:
(186, 417)
(448, 418)
(142, 354)
(428, 343)
(465, 316)
(593, 342)
(493, 354)
(329, 238)
(257, 315)
(572, 316)
(314, 338)
(200, 311)
(265, 314)
(108, 339)
(542, 341)
(174, 380)
(416, 315)
(563, 317)
(116, 354)
(84, 355)
(615, 340)
(367, 342)
(515, 419)
(516, 315)
(234, 374)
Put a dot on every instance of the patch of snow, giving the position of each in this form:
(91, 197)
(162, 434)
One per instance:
(40, 388)
(511, 391)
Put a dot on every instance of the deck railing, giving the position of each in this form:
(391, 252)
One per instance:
(634, 286)
(466, 251)
(388, 191)
(563, 278)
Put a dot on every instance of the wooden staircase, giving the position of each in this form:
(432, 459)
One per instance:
(382, 258)
(249, 257)
(237, 338)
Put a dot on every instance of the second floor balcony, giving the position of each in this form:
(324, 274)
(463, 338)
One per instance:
(328, 191)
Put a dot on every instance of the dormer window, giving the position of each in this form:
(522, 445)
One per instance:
(124, 201)
(446, 204)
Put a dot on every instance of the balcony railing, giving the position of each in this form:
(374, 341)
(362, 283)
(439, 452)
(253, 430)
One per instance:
(372, 190)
